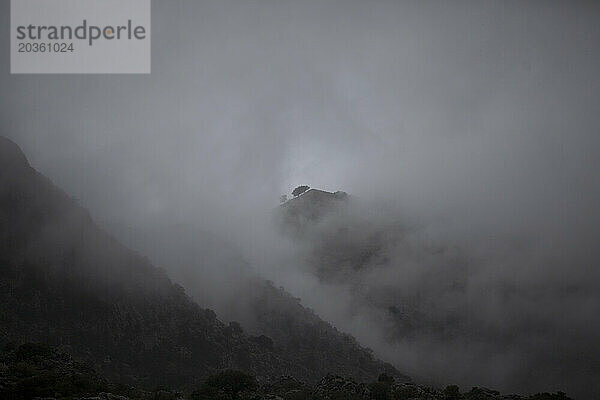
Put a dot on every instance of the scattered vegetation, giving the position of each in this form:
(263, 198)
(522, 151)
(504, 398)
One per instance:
(33, 370)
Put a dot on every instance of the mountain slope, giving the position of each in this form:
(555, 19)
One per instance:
(64, 281)
(461, 305)
(308, 208)
(218, 276)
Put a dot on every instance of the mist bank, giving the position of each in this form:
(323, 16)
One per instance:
(468, 132)
(444, 302)
(487, 306)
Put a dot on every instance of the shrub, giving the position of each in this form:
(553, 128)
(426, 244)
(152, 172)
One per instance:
(452, 393)
(299, 190)
(379, 390)
(225, 385)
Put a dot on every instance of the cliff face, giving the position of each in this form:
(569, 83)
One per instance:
(64, 281)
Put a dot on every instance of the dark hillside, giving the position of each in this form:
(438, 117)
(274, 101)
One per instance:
(64, 281)
(268, 312)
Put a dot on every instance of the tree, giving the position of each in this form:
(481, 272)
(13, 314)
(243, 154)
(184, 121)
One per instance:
(452, 392)
(299, 190)
(225, 385)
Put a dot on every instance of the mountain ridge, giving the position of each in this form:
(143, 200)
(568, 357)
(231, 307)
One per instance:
(66, 282)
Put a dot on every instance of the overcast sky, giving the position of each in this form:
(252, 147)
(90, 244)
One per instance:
(487, 104)
(482, 114)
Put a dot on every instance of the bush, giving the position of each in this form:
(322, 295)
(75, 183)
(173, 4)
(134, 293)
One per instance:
(299, 190)
(30, 350)
(452, 393)
(379, 391)
(225, 385)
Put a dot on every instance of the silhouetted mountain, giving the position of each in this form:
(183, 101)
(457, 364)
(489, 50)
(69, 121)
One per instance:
(340, 243)
(309, 208)
(64, 281)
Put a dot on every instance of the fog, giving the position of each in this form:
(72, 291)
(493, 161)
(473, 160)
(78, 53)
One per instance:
(467, 126)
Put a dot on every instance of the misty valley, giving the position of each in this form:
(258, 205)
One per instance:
(299, 200)
(83, 316)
